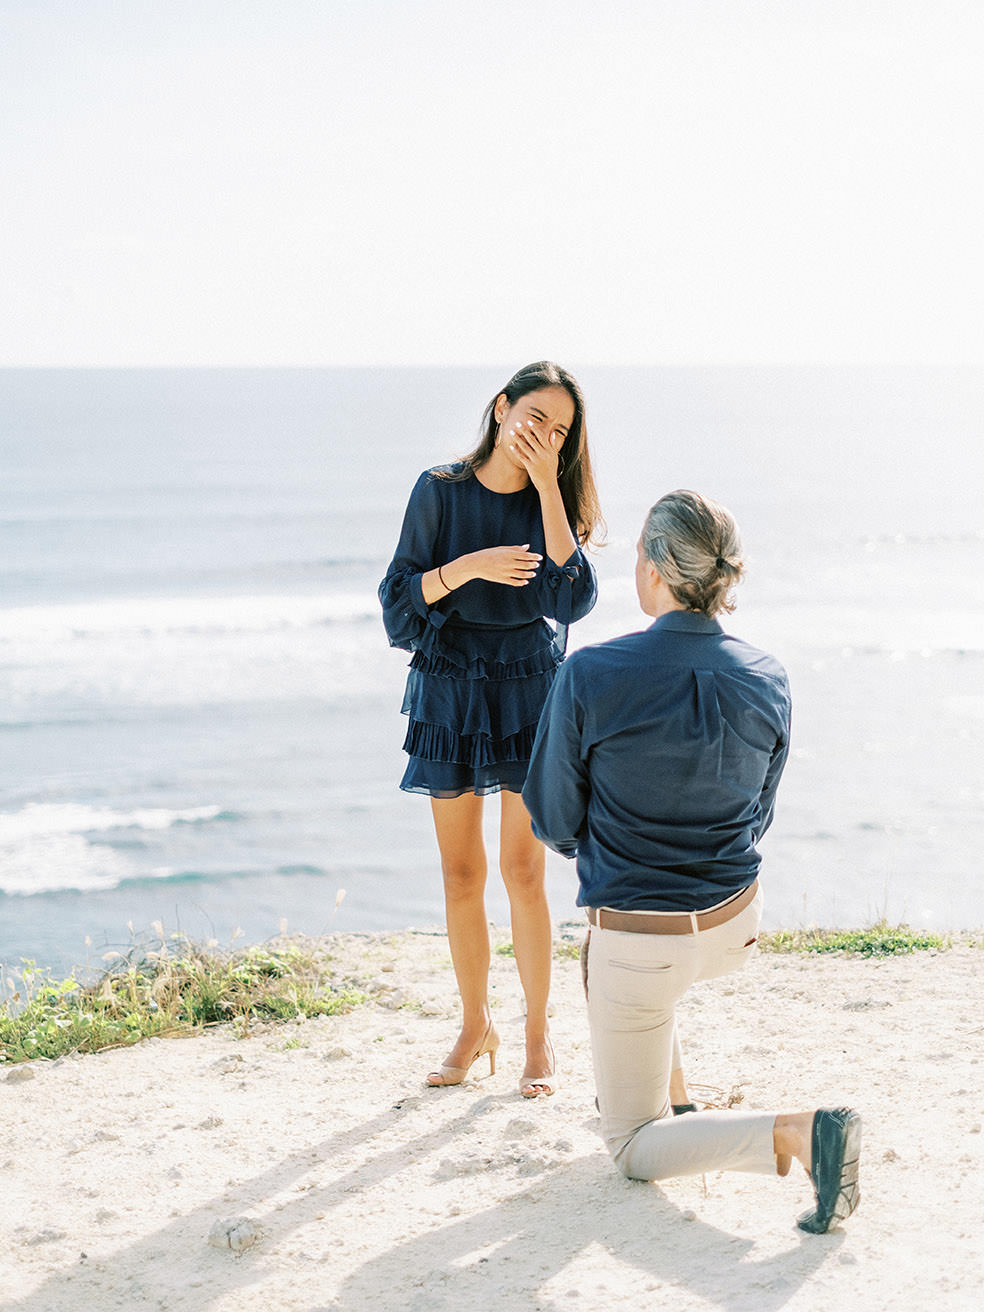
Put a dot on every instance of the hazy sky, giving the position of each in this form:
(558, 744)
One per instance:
(359, 181)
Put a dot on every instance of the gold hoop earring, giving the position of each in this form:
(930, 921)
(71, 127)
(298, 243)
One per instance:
(498, 432)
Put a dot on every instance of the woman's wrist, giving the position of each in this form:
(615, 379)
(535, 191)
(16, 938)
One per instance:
(450, 574)
(550, 489)
(439, 582)
(456, 573)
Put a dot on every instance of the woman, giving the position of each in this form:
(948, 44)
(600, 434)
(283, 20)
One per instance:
(656, 765)
(490, 546)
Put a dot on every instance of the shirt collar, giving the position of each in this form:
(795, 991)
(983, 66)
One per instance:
(686, 621)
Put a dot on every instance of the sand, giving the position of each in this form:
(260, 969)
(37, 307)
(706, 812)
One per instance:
(307, 1166)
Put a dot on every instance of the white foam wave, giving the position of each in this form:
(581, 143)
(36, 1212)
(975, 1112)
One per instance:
(67, 661)
(160, 616)
(117, 676)
(41, 818)
(44, 847)
(50, 863)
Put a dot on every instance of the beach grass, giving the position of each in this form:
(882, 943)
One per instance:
(878, 940)
(178, 988)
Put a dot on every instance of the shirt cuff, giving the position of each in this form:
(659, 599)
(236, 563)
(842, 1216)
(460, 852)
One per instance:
(417, 596)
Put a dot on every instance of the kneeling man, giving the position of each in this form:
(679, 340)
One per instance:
(656, 765)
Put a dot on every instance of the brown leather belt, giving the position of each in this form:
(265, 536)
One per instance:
(671, 922)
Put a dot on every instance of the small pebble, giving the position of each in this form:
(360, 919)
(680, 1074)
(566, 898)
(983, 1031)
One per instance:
(226, 1065)
(393, 1001)
(19, 1074)
(518, 1128)
(237, 1234)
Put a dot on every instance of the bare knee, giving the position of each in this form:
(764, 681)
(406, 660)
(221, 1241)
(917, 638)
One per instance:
(463, 880)
(524, 880)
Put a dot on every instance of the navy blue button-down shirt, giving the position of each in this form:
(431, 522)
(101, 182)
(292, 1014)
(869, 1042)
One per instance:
(656, 764)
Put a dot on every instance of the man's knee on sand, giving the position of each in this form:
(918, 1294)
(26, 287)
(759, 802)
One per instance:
(620, 1146)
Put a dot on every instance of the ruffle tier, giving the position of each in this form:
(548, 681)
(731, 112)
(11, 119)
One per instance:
(473, 709)
(469, 652)
(434, 742)
(440, 779)
(496, 709)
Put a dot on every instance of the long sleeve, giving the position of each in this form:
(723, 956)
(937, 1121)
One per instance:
(405, 613)
(557, 785)
(767, 799)
(567, 592)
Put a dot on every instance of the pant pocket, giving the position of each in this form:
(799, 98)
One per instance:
(635, 984)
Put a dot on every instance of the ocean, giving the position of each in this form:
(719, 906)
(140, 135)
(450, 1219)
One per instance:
(199, 712)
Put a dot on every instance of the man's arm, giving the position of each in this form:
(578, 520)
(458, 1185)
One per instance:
(557, 786)
(777, 763)
(767, 799)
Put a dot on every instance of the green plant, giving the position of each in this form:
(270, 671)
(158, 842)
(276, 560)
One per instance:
(878, 940)
(175, 989)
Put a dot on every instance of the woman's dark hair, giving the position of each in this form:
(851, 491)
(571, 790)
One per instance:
(696, 546)
(576, 481)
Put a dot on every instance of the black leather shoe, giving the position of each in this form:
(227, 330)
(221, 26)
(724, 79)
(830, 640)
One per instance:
(833, 1168)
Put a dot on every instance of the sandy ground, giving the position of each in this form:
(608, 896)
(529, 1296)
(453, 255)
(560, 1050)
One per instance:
(357, 1188)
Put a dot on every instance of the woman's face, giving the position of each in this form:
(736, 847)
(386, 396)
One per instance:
(549, 411)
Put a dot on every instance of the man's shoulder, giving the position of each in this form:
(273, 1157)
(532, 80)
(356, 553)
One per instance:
(746, 657)
(624, 649)
(723, 652)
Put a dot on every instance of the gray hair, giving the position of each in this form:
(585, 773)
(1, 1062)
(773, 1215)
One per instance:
(696, 546)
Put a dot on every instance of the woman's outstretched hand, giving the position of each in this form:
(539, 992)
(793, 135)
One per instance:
(514, 566)
(539, 454)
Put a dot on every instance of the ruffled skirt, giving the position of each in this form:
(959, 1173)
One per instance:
(473, 704)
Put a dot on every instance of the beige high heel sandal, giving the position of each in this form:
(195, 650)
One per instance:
(456, 1074)
(532, 1086)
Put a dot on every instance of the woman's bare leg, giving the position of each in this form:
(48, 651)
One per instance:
(679, 1096)
(458, 822)
(523, 862)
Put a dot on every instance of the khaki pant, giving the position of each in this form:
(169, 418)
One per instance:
(633, 983)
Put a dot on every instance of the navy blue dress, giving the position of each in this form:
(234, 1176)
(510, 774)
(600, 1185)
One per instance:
(484, 656)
